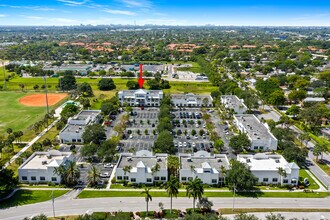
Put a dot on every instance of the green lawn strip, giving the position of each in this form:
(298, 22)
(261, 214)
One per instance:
(324, 167)
(227, 211)
(24, 197)
(50, 134)
(190, 69)
(303, 174)
(96, 194)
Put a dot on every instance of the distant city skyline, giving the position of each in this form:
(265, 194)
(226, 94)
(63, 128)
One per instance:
(165, 12)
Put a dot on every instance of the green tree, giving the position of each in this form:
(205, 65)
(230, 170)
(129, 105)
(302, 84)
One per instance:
(147, 197)
(93, 175)
(8, 181)
(297, 95)
(69, 174)
(106, 84)
(94, 133)
(239, 176)
(205, 204)
(282, 173)
(164, 143)
(173, 165)
(195, 189)
(319, 149)
(172, 188)
(293, 110)
(132, 85)
(126, 169)
(85, 89)
(69, 110)
(155, 169)
(67, 82)
(276, 98)
(239, 142)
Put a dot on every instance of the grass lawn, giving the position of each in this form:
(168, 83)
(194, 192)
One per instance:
(16, 116)
(303, 174)
(225, 211)
(24, 197)
(196, 69)
(324, 167)
(186, 87)
(97, 194)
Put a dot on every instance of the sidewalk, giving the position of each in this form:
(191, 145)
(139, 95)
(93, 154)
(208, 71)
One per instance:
(31, 143)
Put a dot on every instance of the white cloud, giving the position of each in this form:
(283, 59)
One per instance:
(35, 8)
(2, 15)
(119, 12)
(73, 3)
(137, 3)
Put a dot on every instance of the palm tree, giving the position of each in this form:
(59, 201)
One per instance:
(147, 197)
(126, 169)
(282, 174)
(223, 172)
(60, 171)
(155, 169)
(195, 189)
(72, 173)
(93, 175)
(172, 188)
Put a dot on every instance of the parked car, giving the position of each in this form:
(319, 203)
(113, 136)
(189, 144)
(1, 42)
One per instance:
(184, 144)
(105, 175)
(108, 165)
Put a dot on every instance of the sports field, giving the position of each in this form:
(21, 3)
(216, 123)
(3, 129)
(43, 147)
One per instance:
(15, 115)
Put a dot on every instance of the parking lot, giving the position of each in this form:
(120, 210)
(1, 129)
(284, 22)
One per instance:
(140, 133)
(190, 133)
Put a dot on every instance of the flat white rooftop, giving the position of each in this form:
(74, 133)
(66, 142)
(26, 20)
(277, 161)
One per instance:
(43, 160)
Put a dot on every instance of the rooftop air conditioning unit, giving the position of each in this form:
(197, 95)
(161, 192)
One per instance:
(44, 162)
(189, 160)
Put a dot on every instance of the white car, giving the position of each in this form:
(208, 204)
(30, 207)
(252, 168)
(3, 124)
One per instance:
(197, 125)
(227, 133)
(105, 175)
(108, 165)
(131, 137)
(180, 144)
(184, 144)
(193, 144)
(195, 137)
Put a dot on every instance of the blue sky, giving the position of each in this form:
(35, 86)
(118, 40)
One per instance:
(167, 12)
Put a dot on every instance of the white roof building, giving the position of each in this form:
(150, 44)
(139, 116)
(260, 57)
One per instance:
(141, 97)
(266, 166)
(192, 100)
(260, 136)
(40, 166)
(234, 103)
(75, 127)
(203, 166)
(141, 166)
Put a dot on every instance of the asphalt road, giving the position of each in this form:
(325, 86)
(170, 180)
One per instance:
(67, 206)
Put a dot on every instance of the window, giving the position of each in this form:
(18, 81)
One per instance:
(79, 140)
(285, 181)
(261, 147)
(54, 179)
(149, 180)
(24, 178)
(156, 178)
(133, 180)
(125, 177)
(73, 140)
(163, 178)
(184, 178)
(119, 177)
(42, 178)
(275, 180)
(265, 180)
(190, 178)
(33, 178)
(256, 147)
(221, 179)
(214, 180)
(293, 181)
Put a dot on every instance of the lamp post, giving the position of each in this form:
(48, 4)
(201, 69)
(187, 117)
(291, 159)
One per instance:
(234, 197)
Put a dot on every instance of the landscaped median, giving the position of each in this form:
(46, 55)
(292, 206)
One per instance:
(182, 193)
(26, 196)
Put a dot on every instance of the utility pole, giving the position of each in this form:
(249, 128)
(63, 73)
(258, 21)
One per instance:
(53, 203)
(234, 197)
(46, 95)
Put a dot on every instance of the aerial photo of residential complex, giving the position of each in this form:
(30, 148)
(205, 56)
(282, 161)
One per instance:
(143, 109)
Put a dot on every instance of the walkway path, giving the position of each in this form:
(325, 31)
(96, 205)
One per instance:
(31, 143)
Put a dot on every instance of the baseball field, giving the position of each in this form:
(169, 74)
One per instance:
(19, 110)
